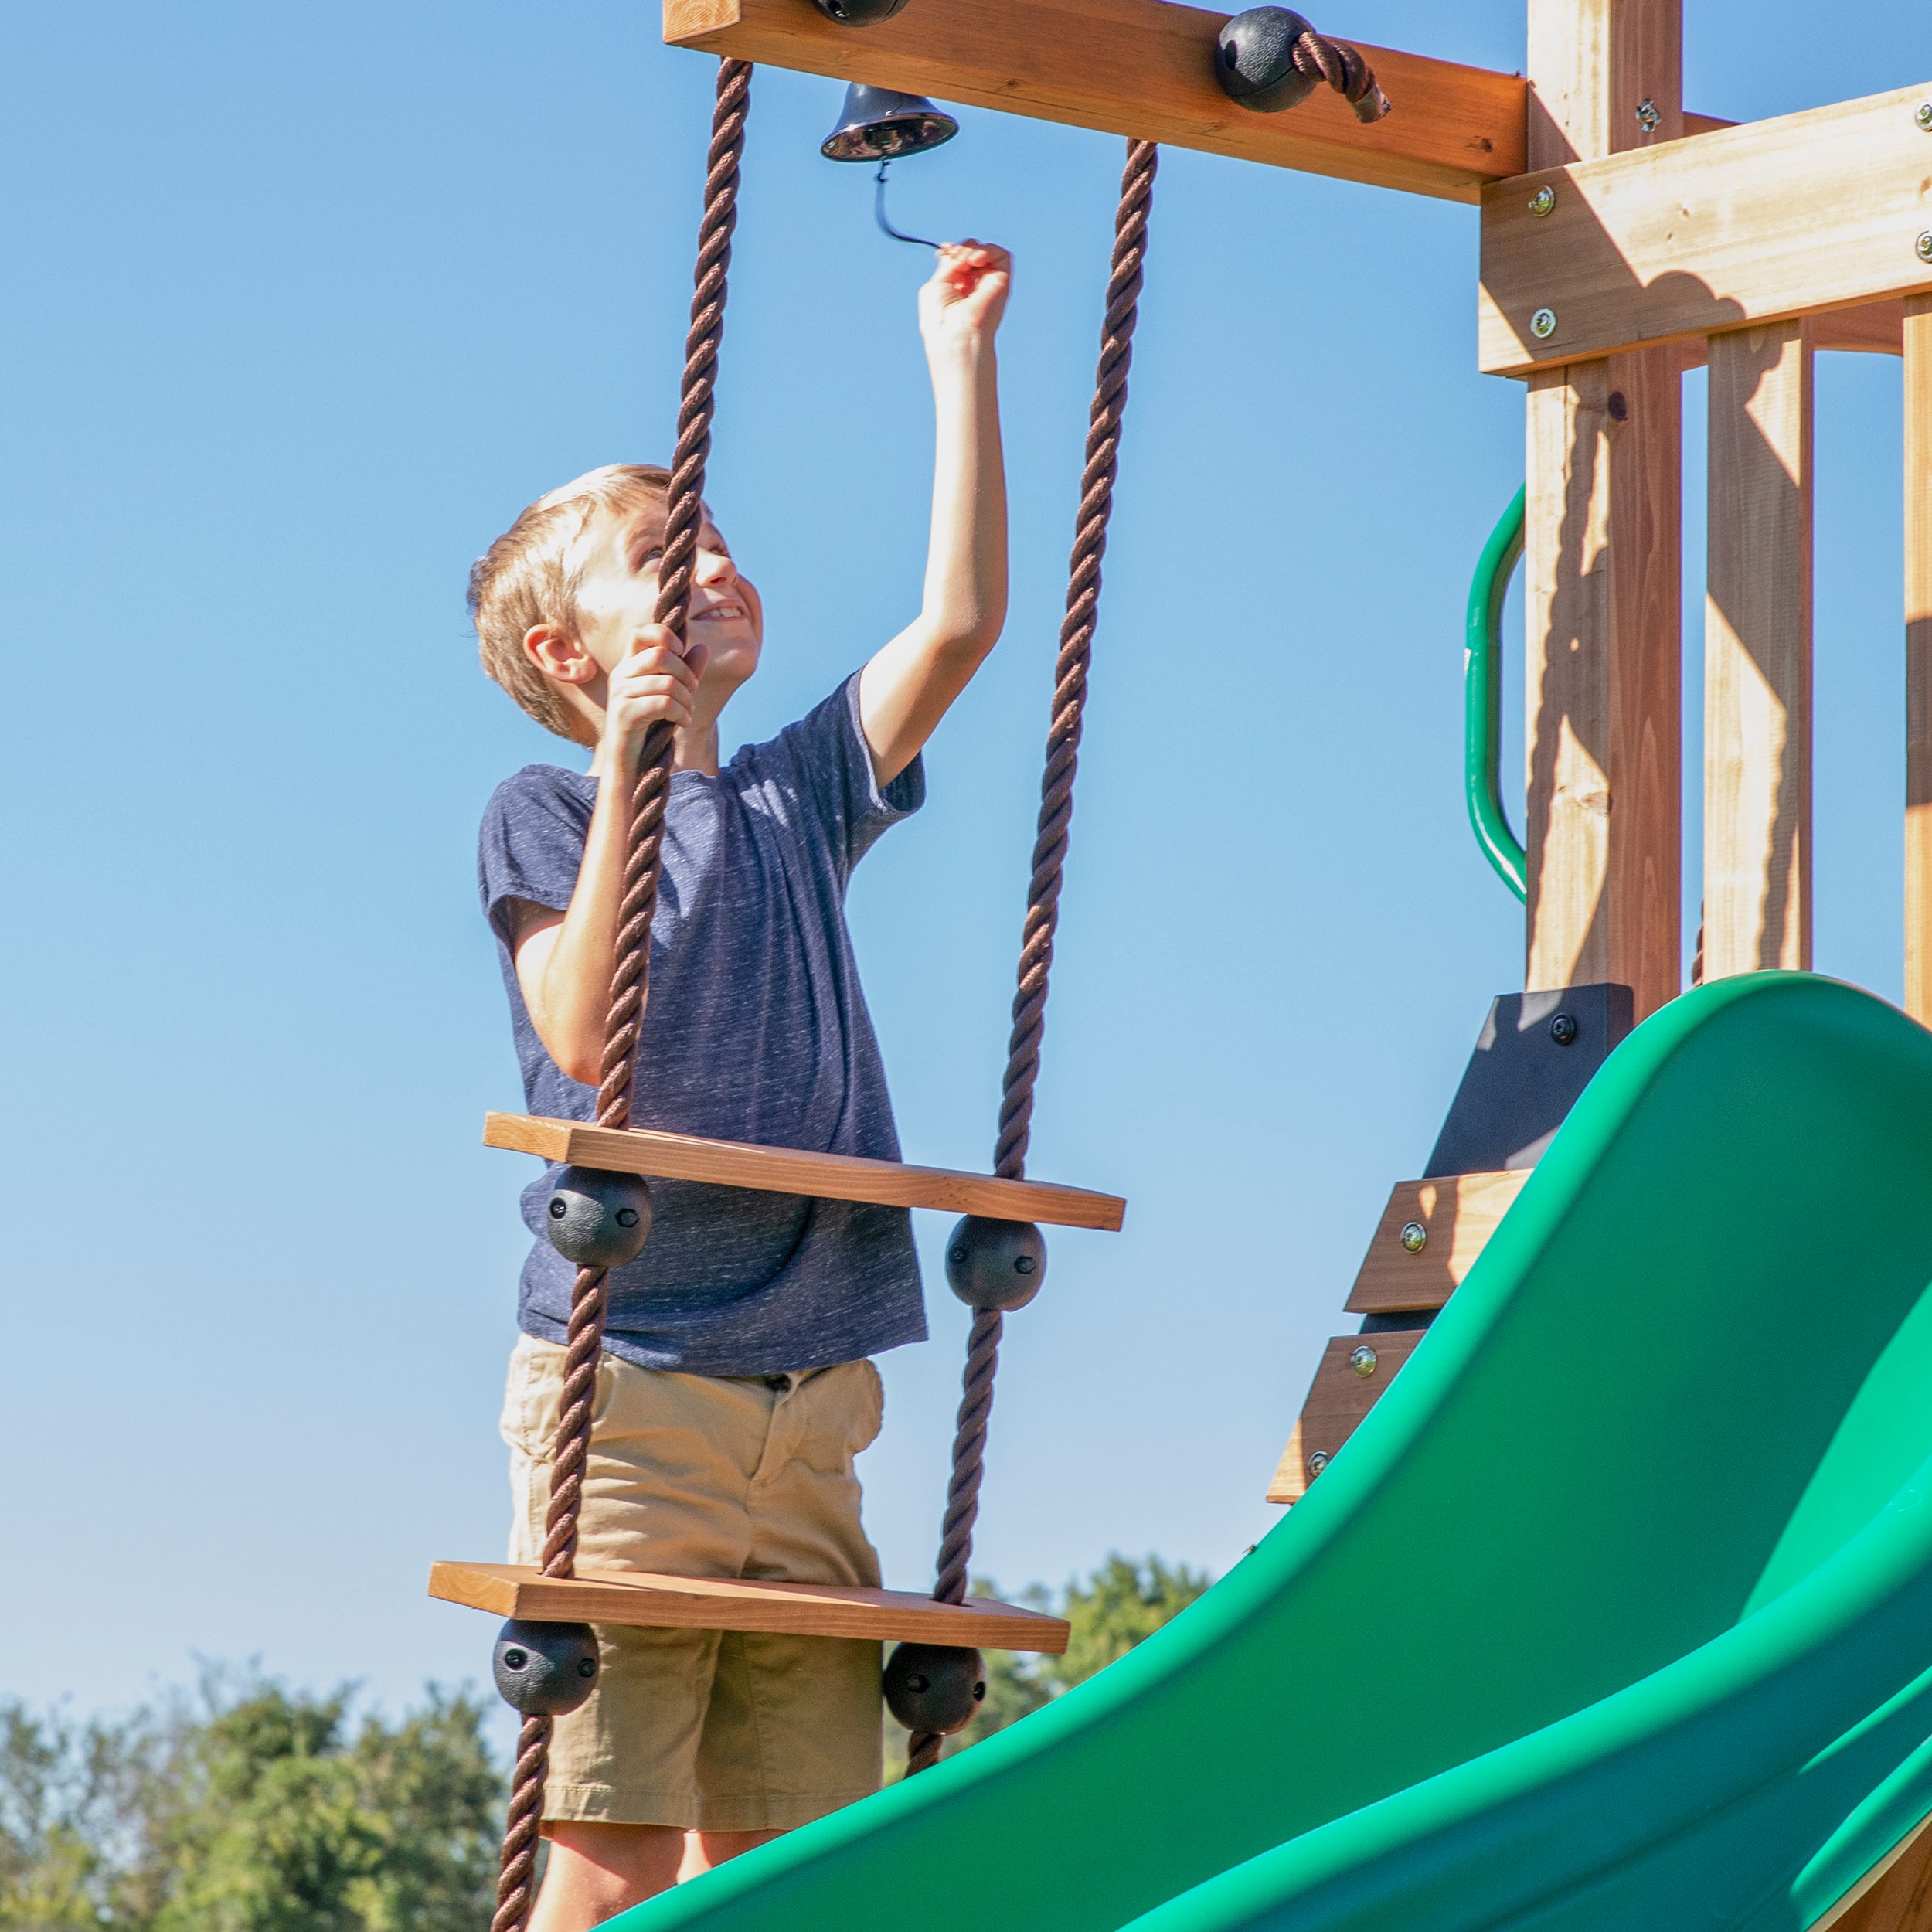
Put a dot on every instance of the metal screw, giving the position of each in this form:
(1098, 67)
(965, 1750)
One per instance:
(1648, 116)
(1923, 117)
(1415, 1237)
(1563, 1029)
(1363, 1360)
(1924, 246)
(1542, 201)
(1317, 1462)
(1542, 324)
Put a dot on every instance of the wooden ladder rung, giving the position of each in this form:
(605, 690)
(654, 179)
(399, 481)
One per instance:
(781, 1170)
(1457, 1214)
(731, 1603)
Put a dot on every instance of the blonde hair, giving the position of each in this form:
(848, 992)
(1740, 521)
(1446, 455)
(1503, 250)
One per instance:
(526, 578)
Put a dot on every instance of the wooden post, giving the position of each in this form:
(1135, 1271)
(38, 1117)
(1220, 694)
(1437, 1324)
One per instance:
(1918, 658)
(1602, 556)
(1757, 654)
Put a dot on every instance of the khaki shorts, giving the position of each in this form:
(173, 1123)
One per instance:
(710, 1476)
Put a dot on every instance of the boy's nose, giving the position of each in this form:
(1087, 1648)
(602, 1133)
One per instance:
(714, 567)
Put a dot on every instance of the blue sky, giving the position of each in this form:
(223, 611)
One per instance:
(304, 306)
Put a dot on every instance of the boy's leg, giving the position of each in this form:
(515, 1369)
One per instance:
(596, 1871)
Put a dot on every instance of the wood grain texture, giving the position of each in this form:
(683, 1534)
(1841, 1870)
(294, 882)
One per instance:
(1754, 224)
(708, 1602)
(1338, 1398)
(1141, 68)
(1876, 329)
(1918, 659)
(1602, 555)
(777, 1170)
(1457, 1213)
(1757, 654)
(1895, 1896)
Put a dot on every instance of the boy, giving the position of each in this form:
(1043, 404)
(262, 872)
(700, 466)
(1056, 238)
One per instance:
(735, 1388)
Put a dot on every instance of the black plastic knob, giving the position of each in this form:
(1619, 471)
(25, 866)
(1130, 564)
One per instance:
(858, 13)
(931, 1687)
(544, 1670)
(1254, 60)
(995, 1264)
(598, 1220)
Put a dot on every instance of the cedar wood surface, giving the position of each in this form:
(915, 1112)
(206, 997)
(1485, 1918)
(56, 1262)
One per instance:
(1457, 1213)
(779, 1170)
(1338, 1398)
(1757, 654)
(708, 1602)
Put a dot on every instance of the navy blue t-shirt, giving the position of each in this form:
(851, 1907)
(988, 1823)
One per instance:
(755, 1030)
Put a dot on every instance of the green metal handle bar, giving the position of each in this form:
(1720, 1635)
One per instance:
(1482, 699)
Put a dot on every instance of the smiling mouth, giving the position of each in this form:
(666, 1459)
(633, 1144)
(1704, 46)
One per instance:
(712, 612)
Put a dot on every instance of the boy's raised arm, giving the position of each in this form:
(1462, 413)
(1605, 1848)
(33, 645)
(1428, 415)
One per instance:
(908, 687)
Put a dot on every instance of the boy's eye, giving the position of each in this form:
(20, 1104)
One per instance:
(646, 558)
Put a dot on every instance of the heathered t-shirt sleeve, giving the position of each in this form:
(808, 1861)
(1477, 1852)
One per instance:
(827, 762)
(532, 842)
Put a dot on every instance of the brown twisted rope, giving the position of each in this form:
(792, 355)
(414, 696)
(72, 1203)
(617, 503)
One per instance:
(1344, 70)
(1049, 856)
(631, 978)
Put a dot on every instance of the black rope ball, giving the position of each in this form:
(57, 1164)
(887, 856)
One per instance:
(858, 13)
(544, 1670)
(598, 1220)
(1254, 60)
(934, 1689)
(995, 1264)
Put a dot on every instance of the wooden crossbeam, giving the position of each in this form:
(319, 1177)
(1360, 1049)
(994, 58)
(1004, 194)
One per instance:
(782, 1170)
(645, 1598)
(1139, 67)
(1759, 223)
(1428, 1240)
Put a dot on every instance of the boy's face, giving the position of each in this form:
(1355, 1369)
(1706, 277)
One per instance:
(617, 557)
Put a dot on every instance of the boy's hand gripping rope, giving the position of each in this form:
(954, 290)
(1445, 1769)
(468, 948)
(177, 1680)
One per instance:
(1049, 856)
(515, 1891)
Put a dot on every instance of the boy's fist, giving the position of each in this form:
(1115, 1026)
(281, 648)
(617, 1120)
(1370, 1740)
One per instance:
(967, 296)
(652, 682)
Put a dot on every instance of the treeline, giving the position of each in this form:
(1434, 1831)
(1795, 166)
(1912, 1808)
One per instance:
(249, 1807)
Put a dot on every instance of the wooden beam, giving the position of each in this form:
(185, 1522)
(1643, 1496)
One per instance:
(1143, 68)
(1455, 1216)
(1601, 566)
(1876, 329)
(1918, 659)
(1754, 224)
(1341, 1395)
(1757, 654)
(718, 1603)
(779, 1170)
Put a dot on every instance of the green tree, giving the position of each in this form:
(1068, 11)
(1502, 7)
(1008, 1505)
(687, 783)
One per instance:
(256, 1809)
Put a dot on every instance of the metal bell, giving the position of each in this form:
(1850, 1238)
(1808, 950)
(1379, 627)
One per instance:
(878, 124)
(858, 13)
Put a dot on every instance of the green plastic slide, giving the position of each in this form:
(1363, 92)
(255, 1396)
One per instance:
(1616, 1613)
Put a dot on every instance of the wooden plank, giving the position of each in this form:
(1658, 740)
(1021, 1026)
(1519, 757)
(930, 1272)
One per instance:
(719, 1603)
(1340, 1397)
(1456, 1214)
(1876, 329)
(1749, 225)
(779, 1170)
(1601, 563)
(1895, 1896)
(1757, 653)
(1918, 659)
(1143, 68)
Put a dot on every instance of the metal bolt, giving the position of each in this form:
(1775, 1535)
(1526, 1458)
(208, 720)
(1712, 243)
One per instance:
(1923, 117)
(1415, 1237)
(1648, 116)
(1363, 1360)
(1542, 324)
(1317, 1462)
(1924, 246)
(1542, 201)
(1563, 1029)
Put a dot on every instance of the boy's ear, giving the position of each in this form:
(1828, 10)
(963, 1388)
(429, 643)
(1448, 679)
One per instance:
(558, 654)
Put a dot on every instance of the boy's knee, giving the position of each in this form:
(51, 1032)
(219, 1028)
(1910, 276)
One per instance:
(596, 1871)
